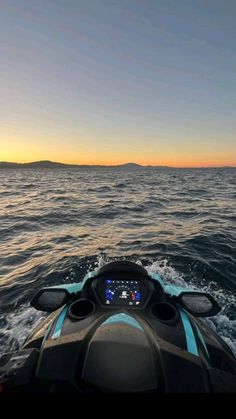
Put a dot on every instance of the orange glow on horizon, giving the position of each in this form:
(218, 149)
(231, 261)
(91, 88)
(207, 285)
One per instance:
(114, 162)
(110, 160)
(22, 148)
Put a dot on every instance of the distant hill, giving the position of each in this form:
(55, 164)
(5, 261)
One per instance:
(7, 164)
(129, 166)
(47, 164)
(44, 163)
(50, 164)
(36, 164)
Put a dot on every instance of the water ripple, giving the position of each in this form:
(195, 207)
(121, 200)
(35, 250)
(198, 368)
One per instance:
(55, 225)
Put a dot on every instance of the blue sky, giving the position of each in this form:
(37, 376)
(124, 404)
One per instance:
(104, 81)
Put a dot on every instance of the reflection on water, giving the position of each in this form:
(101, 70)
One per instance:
(55, 222)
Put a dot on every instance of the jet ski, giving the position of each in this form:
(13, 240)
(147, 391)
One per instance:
(121, 330)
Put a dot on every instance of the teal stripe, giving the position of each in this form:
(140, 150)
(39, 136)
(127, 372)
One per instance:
(59, 323)
(202, 339)
(89, 275)
(172, 290)
(190, 338)
(73, 287)
(157, 278)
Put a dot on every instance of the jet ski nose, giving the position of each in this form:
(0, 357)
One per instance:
(119, 357)
(121, 330)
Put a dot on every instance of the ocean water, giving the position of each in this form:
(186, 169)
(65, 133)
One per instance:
(58, 224)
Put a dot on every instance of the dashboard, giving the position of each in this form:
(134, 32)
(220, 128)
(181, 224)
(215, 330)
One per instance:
(128, 292)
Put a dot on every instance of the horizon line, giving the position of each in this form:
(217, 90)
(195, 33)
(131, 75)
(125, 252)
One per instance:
(117, 165)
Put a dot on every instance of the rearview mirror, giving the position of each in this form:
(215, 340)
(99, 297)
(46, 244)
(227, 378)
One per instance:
(200, 304)
(50, 299)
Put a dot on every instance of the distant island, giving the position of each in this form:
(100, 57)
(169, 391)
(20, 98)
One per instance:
(47, 164)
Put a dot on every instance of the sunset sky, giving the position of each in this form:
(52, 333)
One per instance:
(113, 81)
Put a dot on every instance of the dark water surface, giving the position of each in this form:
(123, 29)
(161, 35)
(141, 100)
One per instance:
(57, 224)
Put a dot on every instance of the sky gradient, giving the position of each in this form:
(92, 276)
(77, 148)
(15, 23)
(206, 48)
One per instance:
(108, 81)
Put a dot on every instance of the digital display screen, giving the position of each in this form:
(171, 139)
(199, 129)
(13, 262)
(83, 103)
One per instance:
(118, 292)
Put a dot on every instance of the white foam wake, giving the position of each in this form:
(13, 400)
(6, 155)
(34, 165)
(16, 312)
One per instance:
(20, 322)
(18, 325)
